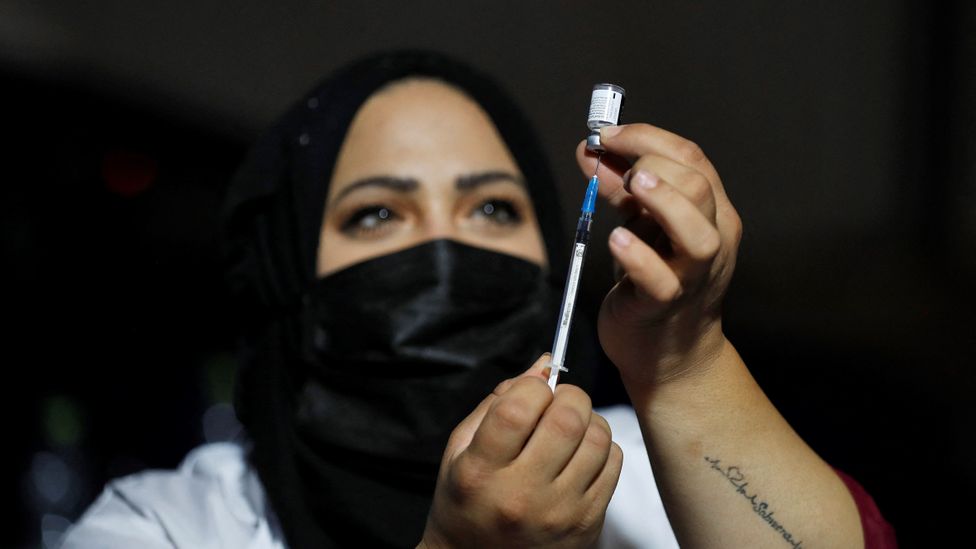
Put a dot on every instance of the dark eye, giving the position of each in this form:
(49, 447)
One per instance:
(369, 220)
(498, 211)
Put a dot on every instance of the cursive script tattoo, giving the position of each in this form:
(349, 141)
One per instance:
(737, 478)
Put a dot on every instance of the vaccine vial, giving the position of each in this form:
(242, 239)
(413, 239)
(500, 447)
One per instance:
(605, 103)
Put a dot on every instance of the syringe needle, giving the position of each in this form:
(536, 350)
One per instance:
(597, 169)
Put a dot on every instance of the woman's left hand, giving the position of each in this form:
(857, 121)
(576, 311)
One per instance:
(676, 250)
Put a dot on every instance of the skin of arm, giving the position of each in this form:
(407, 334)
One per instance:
(731, 471)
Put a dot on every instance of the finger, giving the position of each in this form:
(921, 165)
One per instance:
(605, 483)
(560, 431)
(632, 141)
(462, 435)
(609, 165)
(590, 458)
(539, 368)
(611, 173)
(464, 432)
(615, 188)
(652, 277)
(510, 421)
(691, 183)
(693, 237)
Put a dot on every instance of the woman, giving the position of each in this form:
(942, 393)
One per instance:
(395, 245)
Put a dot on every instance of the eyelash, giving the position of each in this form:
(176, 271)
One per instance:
(372, 219)
(376, 214)
(499, 211)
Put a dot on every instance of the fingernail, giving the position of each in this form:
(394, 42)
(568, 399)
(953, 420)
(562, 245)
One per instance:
(621, 237)
(607, 132)
(645, 180)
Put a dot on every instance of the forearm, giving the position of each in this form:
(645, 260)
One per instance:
(731, 471)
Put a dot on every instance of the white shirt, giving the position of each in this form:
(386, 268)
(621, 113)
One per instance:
(214, 500)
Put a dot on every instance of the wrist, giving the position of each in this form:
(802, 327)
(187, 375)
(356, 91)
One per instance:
(687, 377)
(432, 538)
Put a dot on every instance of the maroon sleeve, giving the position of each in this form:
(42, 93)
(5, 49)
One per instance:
(878, 534)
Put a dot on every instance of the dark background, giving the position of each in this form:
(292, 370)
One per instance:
(844, 133)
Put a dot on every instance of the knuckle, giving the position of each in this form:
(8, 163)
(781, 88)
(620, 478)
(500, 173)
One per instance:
(689, 153)
(699, 189)
(707, 247)
(601, 422)
(634, 261)
(642, 164)
(575, 395)
(643, 264)
(591, 517)
(512, 513)
(617, 197)
(667, 290)
(736, 223)
(551, 522)
(513, 414)
(598, 436)
(616, 459)
(503, 387)
(567, 422)
(640, 127)
(533, 387)
(669, 194)
(614, 464)
(453, 440)
(468, 478)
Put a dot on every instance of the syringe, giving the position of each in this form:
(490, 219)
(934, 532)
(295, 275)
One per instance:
(572, 280)
(605, 103)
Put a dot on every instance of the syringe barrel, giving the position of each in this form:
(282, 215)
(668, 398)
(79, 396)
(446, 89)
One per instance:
(565, 323)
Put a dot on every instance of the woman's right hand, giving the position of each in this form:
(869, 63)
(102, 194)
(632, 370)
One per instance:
(526, 468)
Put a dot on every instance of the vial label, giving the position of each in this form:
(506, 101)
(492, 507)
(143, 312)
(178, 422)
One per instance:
(604, 108)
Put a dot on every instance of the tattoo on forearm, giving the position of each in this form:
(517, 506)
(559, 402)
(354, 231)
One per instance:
(737, 478)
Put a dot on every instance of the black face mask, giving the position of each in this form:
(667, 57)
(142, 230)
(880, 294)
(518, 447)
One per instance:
(403, 347)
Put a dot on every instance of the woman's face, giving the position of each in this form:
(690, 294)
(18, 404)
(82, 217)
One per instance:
(422, 161)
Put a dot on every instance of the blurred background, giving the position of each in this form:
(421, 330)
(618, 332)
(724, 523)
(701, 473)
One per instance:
(844, 133)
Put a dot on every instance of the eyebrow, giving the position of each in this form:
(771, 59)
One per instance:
(465, 182)
(470, 181)
(399, 184)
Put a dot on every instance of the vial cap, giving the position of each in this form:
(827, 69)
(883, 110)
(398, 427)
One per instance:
(593, 142)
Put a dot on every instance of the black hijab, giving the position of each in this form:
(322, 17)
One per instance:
(272, 222)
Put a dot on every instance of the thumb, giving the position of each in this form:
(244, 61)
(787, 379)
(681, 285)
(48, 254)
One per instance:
(539, 369)
(464, 432)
